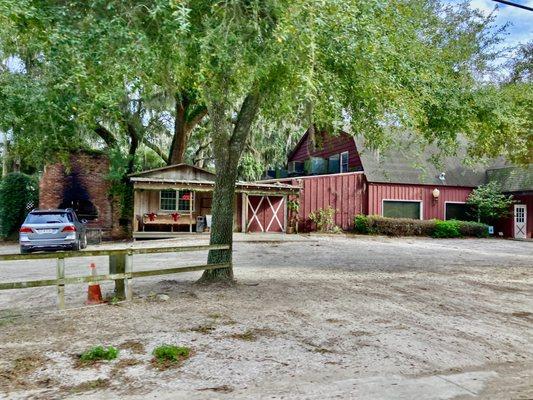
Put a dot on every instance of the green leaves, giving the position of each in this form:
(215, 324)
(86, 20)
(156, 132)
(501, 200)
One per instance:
(489, 202)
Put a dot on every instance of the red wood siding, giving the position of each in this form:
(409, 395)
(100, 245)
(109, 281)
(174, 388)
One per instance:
(344, 192)
(329, 146)
(430, 208)
(506, 225)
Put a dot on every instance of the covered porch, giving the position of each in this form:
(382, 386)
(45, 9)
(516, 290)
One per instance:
(177, 199)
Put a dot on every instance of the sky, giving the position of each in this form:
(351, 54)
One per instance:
(521, 28)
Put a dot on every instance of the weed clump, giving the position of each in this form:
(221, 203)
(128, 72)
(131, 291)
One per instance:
(99, 353)
(167, 355)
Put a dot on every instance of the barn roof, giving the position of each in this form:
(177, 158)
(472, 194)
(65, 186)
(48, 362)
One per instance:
(512, 178)
(410, 162)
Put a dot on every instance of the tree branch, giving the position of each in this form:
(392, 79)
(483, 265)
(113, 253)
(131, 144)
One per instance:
(156, 149)
(195, 117)
(104, 133)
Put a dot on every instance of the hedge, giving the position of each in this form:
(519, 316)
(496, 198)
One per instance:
(19, 193)
(375, 224)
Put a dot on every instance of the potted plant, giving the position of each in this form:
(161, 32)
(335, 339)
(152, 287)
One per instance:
(294, 209)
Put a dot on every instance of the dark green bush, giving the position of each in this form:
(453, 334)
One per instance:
(374, 224)
(477, 229)
(19, 193)
(446, 229)
(399, 226)
(361, 224)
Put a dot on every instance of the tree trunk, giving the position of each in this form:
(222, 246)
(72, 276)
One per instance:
(228, 144)
(181, 135)
(222, 226)
(188, 114)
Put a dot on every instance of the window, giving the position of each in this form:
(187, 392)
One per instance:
(334, 164)
(48, 218)
(402, 209)
(344, 162)
(176, 200)
(458, 211)
(184, 201)
(167, 200)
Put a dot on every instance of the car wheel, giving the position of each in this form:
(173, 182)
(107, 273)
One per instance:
(76, 246)
(84, 242)
(24, 251)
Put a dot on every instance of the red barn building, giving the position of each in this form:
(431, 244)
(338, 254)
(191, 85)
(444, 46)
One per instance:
(409, 181)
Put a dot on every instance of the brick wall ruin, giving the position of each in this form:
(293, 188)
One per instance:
(81, 184)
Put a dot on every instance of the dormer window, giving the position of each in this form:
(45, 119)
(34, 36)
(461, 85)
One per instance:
(344, 162)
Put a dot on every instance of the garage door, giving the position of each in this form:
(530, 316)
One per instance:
(266, 214)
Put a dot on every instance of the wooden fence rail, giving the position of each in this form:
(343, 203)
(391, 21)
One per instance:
(120, 268)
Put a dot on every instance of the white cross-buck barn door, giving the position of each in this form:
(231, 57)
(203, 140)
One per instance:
(520, 221)
(266, 214)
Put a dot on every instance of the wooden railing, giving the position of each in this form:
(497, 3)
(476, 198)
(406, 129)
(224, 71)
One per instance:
(120, 268)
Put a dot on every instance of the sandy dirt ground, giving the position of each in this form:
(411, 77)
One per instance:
(315, 318)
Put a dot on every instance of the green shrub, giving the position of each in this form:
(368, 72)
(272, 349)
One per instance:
(400, 226)
(474, 229)
(361, 224)
(171, 353)
(375, 224)
(446, 229)
(19, 194)
(324, 219)
(98, 353)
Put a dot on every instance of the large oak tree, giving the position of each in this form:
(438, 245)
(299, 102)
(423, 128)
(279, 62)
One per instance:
(375, 68)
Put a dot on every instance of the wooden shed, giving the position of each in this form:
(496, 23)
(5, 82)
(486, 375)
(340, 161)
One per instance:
(177, 199)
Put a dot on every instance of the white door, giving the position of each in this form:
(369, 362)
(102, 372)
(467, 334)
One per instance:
(520, 221)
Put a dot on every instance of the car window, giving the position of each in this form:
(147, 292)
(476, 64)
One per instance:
(48, 218)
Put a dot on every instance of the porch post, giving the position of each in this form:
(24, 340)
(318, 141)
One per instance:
(243, 212)
(285, 213)
(190, 210)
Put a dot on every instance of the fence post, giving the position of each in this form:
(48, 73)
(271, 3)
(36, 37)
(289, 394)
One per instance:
(61, 283)
(128, 278)
(117, 265)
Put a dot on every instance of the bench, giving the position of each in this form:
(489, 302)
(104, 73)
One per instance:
(165, 219)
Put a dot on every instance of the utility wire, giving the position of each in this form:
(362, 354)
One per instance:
(510, 3)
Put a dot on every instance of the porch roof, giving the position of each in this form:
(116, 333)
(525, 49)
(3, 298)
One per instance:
(184, 176)
(204, 185)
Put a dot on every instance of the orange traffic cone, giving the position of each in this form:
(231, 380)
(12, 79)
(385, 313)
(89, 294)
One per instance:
(94, 294)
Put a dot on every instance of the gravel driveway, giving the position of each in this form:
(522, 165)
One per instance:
(314, 318)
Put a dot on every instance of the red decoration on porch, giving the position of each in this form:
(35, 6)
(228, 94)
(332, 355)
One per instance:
(186, 196)
(152, 216)
(175, 216)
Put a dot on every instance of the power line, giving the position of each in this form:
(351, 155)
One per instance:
(510, 3)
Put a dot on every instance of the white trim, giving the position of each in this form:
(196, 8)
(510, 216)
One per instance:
(524, 228)
(405, 200)
(308, 177)
(451, 202)
(275, 212)
(347, 162)
(254, 214)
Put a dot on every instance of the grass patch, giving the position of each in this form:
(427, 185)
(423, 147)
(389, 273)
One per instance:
(166, 356)
(90, 385)
(248, 335)
(99, 353)
(204, 329)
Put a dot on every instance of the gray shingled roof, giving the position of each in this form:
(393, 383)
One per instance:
(512, 179)
(410, 162)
